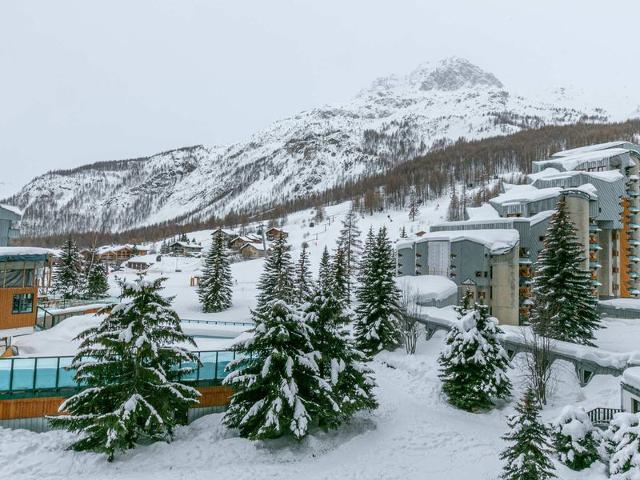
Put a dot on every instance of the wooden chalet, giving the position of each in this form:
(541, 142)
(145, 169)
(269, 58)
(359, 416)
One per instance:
(274, 233)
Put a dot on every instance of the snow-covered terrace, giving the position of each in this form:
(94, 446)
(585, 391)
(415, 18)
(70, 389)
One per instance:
(497, 241)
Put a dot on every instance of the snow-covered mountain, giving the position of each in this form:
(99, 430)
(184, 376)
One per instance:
(393, 120)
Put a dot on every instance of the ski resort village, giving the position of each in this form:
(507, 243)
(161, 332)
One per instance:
(282, 240)
(353, 339)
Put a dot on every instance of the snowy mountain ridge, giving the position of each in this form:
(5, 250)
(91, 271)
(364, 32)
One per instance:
(395, 119)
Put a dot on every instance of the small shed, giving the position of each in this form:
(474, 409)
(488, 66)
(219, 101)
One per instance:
(630, 385)
(141, 262)
(185, 248)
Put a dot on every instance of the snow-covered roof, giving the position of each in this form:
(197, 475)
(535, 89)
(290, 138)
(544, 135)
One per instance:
(257, 246)
(539, 217)
(186, 245)
(496, 240)
(484, 212)
(148, 259)
(589, 148)
(631, 376)
(551, 173)
(587, 188)
(573, 161)
(506, 221)
(525, 193)
(116, 248)
(427, 287)
(12, 254)
(12, 209)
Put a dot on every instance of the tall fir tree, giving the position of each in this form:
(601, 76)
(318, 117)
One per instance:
(277, 279)
(68, 274)
(528, 455)
(378, 314)
(340, 275)
(473, 363)
(128, 364)
(304, 282)
(97, 283)
(565, 304)
(341, 364)
(414, 207)
(278, 388)
(325, 275)
(215, 287)
(351, 245)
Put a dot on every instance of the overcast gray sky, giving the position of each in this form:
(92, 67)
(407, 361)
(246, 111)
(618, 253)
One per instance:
(82, 81)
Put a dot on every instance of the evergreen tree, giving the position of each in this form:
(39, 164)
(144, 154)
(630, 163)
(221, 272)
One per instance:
(403, 232)
(565, 306)
(473, 363)
(575, 438)
(339, 362)
(340, 275)
(304, 283)
(128, 364)
(351, 245)
(97, 283)
(414, 207)
(621, 446)
(214, 288)
(379, 312)
(527, 458)
(68, 278)
(325, 277)
(277, 279)
(278, 386)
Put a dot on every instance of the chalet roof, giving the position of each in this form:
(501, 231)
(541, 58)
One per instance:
(24, 254)
(186, 245)
(257, 246)
(147, 259)
(12, 210)
(116, 248)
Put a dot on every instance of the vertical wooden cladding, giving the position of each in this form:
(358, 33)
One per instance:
(217, 396)
(625, 279)
(11, 320)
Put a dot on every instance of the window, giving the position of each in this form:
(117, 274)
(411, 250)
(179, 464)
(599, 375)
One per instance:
(478, 274)
(22, 303)
(541, 238)
(635, 405)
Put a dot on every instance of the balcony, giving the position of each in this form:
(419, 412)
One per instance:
(593, 228)
(596, 283)
(594, 265)
(595, 246)
(634, 259)
(634, 226)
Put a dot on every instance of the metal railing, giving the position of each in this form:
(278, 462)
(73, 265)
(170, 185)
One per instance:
(32, 375)
(602, 416)
(218, 322)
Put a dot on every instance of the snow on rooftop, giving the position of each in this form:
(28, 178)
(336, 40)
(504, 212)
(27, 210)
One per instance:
(12, 209)
(149, 259)
(551, 173)
(496, 240)
(484, 212)
(571, 162)
(587, 188)
(539, 217)
(525, 193)
(427, 287)
(116, 248)
(631, 376)
(11, 251)
(589, 148)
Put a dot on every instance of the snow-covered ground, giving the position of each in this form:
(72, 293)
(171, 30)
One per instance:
(414, 434)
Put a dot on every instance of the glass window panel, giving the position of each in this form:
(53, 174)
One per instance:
(46, 372)
(223, 359)
(192, 375)
(66, 376)
(22, 303)
(23, 369)
(208, 368)
(5, 372)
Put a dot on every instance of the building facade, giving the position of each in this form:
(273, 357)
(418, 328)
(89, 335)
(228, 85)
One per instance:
(600, 185)
(9, 224)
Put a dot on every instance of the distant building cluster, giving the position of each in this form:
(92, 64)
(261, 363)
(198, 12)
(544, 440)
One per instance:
(493, 251)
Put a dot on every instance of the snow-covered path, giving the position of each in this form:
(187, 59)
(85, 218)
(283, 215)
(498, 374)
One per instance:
(414, 434)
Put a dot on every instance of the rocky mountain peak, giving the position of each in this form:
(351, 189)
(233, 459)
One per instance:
(450, 74)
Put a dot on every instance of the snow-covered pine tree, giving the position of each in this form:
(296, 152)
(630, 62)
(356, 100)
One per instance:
(214, 290)
(277, 279)
(97, 283)
(379, 312)
(340, 363)
(565, 305)
(473, 363)
(528, 455)
(278, 386)
(575, 438)
(351, 245)
(340, 275)
(414, 207)
(324, 275)
(129, 366)
(304, 282)
(620, 447)
(403, 232)
(68, 279)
